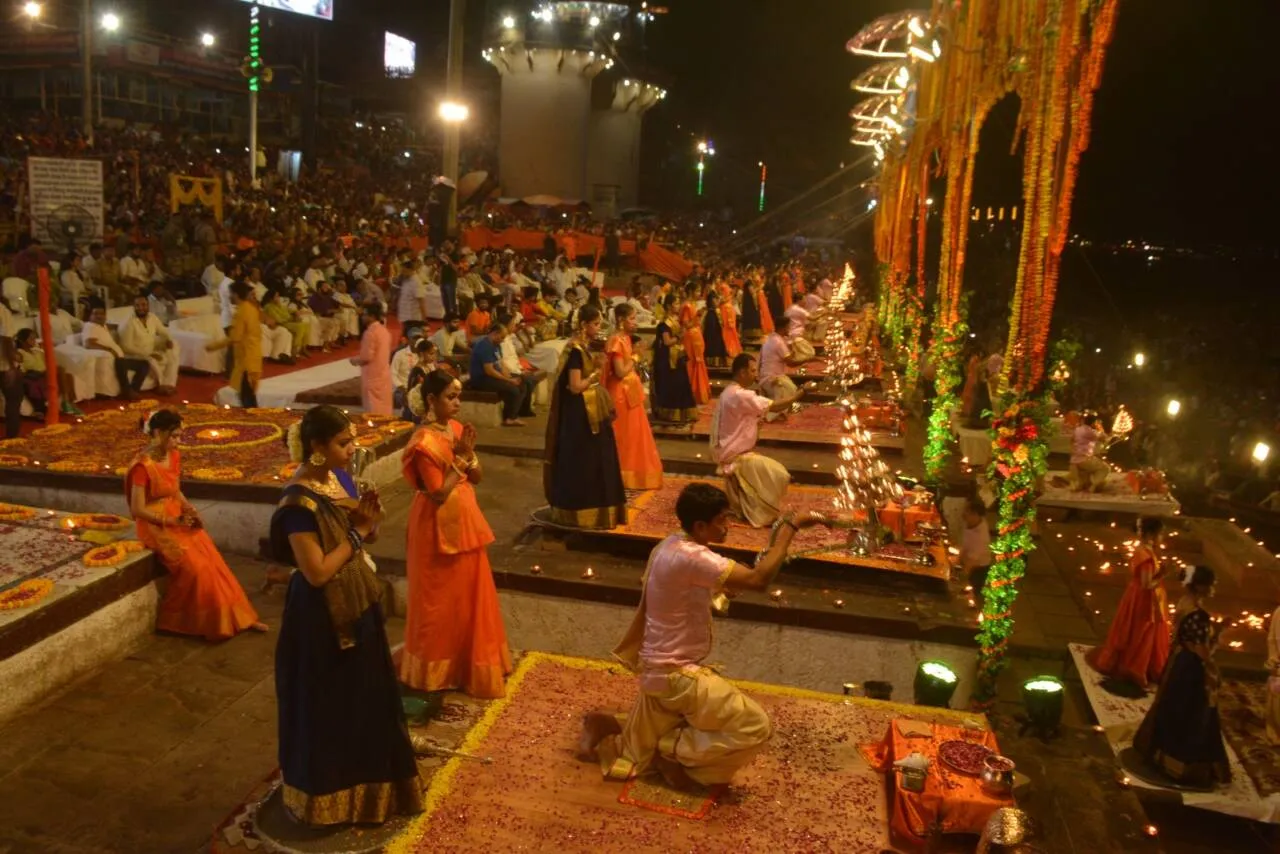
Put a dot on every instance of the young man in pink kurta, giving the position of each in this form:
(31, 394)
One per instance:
(691, 723)
(376, 389)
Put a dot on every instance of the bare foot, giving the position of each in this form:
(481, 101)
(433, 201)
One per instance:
(596, 726)
(673, 774)
(513, 422)
(260, 626)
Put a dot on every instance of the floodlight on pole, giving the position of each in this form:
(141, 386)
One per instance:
(453, 112)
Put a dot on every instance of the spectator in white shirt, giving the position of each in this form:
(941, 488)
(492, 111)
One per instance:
(163, 305)
(143, 336)
(134, 273)
(96, 336)
(315, 274)
(254, 280)
(90, 259)
(412, 309)
(510, 359)
(451, 341)
(402, 362)
(73, 289)
(348, 313)
(213, 275)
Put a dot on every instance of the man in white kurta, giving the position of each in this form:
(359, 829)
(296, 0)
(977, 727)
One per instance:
(143, 336)
(756, 484)
(689, 722)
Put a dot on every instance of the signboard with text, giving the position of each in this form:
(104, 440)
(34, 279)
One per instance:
(59, 188)
(322, 9)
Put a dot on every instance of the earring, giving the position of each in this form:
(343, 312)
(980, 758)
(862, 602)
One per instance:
(316, 459)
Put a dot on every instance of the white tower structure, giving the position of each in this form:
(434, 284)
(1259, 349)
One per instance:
(556, 138)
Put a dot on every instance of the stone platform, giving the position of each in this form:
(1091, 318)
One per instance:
(234, 462)
(88, 614)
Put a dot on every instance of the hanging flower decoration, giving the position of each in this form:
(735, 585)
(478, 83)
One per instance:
(947, 383)
(111, 554)
(26, 594)
(15, 513)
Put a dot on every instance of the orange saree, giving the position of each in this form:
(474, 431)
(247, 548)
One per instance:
(729, 328)
(695, 348)
(1137, 644)
(637, 452)
(203, 598)
(453, 635)
(766, 316)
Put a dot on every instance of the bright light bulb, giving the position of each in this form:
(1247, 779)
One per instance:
(916, 29)
(1261, 451)
(1139, 359)
(111, 22)
(594, 20)
(508, 22)
(32, 10)
(451, 111)
(617, 36)
(207, 39)
(1173, 408)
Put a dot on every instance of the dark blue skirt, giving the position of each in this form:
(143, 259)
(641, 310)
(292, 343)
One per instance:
(344, 746)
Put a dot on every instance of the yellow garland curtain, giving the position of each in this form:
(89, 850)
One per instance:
(190, 190)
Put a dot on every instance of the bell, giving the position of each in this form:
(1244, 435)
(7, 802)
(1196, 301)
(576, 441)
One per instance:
(1010, 831)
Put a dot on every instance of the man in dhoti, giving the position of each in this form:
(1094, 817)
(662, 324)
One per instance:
(1088, 472)
(143, 336)
(796, 331)
(777, 355)
(690, 724)
(756, 484)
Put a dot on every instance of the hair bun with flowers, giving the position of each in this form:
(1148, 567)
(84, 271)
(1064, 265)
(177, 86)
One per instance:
(146, 421)
(293, 441)
(417, 405)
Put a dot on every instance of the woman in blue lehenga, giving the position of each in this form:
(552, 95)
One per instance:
(1181, 734)
(345, 753)
(671, 393)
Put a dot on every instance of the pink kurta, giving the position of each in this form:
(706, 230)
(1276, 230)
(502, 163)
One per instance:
(375, 373)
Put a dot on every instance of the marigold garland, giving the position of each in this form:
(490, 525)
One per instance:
(218, 473)
(13, 443)
(75, 466)
(51, 430)
(96, 522)
(26, 594)
(111, 554)
(13, 460)
(15, 513)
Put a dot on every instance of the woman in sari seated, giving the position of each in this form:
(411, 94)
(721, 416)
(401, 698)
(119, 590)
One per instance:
(453, 637)
(204, 598)
(671, 391)
(582, 476)
(1181, 734)
(345, 753)
(1137, 644)
(637, 452)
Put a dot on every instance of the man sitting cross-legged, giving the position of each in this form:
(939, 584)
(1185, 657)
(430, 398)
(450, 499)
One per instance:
(756, 484)
(693, 725)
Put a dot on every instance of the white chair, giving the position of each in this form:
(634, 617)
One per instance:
(191, 335)
(17, 292)
(93, 370)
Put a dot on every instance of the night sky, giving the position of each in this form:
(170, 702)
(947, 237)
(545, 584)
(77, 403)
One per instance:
(1180, 149)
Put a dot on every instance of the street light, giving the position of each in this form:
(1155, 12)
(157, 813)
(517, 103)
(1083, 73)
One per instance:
(453, 112)
(207, 39)
(32, 10)
(111, 22)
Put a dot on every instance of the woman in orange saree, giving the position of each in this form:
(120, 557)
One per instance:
(1137, 644)
(729, 326)
(637, 452)
(203, 598)
(453, 636)
(762, 303)
(695, 348)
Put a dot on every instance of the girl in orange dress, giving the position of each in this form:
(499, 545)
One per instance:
(695, 347)
(453, 636)
(203, 598)
(637, 452)
(1137, 644)
(729, 325)
(762, 303)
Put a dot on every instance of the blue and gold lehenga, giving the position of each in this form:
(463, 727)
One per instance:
(582, 477)
(345, 752)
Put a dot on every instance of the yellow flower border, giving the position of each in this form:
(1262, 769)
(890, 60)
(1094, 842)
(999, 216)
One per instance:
(223, 473)
(16, 513)
(442, 783)
(277, 432)
(88, 522)
(111, 554)
(41, 588)
(14, 460)
(74, 466)
(51, 430)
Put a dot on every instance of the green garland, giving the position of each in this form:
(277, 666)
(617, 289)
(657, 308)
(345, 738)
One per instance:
(1019, 459)
(947, 384)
